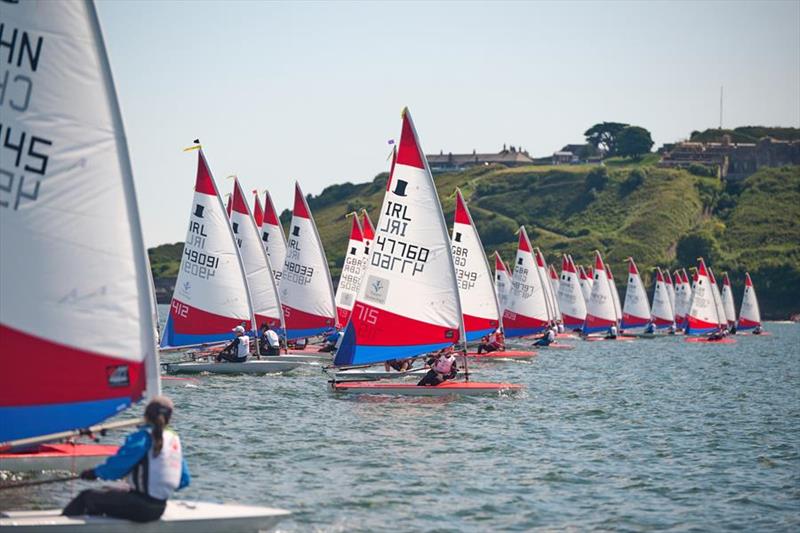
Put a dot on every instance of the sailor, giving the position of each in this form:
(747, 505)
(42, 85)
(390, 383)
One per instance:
(650, 328)
(269, 343)
(443, 367)
(490, 343)
(547, 338)
(151, 458)
(611, 334)
(757, 330)
(401, 365)
(671, 329)
(561, 327)
(239, 348)
(331, 340)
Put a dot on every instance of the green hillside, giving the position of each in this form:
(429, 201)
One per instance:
(659, 216)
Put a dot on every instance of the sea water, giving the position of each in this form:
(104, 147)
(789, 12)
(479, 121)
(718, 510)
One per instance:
(646, 435)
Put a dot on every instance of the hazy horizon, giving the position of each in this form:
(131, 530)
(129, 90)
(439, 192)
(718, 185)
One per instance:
(313, 91)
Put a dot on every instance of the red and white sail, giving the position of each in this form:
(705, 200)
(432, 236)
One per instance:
(306, 290)
(717, 298)
(211, 294)
(614, 292)
(727, 300)
(502, 282)
(473, 276)
(600, 314)
(355, 259)
(550, 296)
(526, 312)
(670, 289)
(76, 318)
(683, 291)
(636, 310)
(273, 238)
(702, 317)
(661, 312)
(258, 271)
(554, 282)
(750, 312)
(570, 297)
(586, 283)
(408, 304)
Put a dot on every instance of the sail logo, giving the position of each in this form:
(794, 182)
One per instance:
(377, 289)
(118, 376)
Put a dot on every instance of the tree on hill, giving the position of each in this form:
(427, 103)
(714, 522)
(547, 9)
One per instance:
(604, 136)
(633, 141)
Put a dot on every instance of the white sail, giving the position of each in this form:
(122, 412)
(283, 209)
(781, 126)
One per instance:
(76, 316)
(750, 312)
(600, 313)
(702, 316)
(554, 283)
(258, 271)
(211, 294)
(355, 261)
(544, 275)
(670, 289)
(306, 290)
(273, 238)
(586, 283)
(527, 309)
(570, 297)
(717, 298)
(727, 300)
(614, 293)
(502, 282)
(661, 312)
(636, 311)
(473, 276)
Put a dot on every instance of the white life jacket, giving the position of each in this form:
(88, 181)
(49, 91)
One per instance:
(551, 335)
(272, 339)
(444, 364)
(159, 477)
(243, 348)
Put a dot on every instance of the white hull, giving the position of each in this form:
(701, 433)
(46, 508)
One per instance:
(179, 516)
(299, 357)
(249, 367)
(357, 373)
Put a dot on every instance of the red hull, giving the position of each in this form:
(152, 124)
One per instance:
(725, 340)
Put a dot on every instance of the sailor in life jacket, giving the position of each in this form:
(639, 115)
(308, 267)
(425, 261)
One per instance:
(239, 348)
(153, 463)
(443, 367)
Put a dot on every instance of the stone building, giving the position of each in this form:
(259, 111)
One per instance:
(509, 156)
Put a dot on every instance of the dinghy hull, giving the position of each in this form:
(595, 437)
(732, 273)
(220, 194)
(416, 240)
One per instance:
(178, 517)
(366, 374)
(507, 354)
(249, 367)
(448, 388)
(63, 457)
(725, 340)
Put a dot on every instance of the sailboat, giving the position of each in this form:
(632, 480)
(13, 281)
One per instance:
(636, 311)
(750, 312)
(409, 302)
(527, 309)
(273, 238)
(684, 299)
(723, 323)
(570, 296)
(600, 312)
(614, 293)
(355, 259)
(104, 357)
(727, 301)
(586, 283)
(306, 290)
(703, 315)
(661, 312)
(550, 296)
(481, 310)
(212, 295)
(502, 282)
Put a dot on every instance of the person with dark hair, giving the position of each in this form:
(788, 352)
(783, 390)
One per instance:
(442, 367)
(269, 343)
(152, 460)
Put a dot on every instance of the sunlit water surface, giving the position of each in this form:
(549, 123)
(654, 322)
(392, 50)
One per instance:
(652, 434)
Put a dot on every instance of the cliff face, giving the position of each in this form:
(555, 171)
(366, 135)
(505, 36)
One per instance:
(661, 217)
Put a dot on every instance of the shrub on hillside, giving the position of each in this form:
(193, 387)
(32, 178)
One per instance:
(702, 170)
(633, 181)
(597, 179)
(695, 245)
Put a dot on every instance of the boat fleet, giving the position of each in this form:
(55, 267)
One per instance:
(410, 286)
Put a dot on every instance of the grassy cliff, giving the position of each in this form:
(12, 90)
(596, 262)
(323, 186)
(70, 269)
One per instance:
(659, 216)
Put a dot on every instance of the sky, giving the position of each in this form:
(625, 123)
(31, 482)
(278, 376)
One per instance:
(312, 91)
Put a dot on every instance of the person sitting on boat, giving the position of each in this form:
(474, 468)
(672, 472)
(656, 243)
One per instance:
(401, 365)
(154, 463)
(757, 330)
(490, 343)
(560, 327)
(671, 329)
(443, 367)
(611, 334)
(548, 337)
(331, 340)
(239, 348)
(500, 340)
(269, 343)
(717, 335)
(650, 328)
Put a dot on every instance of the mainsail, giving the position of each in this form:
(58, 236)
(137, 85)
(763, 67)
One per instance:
(408, 304)
(661, 312)
(526, 312)
(727, 300)
(502, 282)
(263, 292)
(702, 316)
(600, 314)
(273, 238)
(76, 317)
(355, 260)
(750, 313)
(473, 276)
(211, 295)
(306, 289)
(570, 296)
(636, 311)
